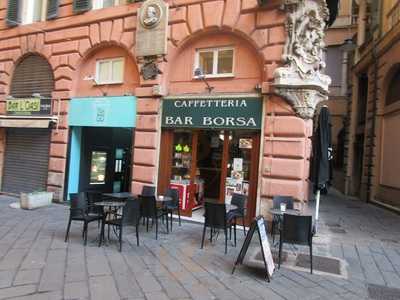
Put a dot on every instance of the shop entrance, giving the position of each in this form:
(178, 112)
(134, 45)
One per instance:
(105, 162)
(210, 164)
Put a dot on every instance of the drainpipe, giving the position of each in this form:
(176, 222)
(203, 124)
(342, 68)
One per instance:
(374, 113)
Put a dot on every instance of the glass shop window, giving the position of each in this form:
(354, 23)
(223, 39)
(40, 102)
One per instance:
(98, 167)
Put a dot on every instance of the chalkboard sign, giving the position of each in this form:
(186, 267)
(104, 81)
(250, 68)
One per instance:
(258, 224)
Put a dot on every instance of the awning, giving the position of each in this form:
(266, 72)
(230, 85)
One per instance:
(27, 122)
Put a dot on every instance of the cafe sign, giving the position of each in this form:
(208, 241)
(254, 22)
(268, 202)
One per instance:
(28, 106)
(236, 112)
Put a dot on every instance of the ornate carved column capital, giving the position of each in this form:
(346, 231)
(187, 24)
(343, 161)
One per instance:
(301, 81)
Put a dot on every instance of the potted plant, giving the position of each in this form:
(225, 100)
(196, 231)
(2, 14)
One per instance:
(35, 199)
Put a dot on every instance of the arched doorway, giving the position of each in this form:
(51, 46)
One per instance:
(28, 135)
(211, 122)
(102, 117)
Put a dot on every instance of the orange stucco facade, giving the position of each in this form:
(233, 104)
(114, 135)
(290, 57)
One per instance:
(72, 44)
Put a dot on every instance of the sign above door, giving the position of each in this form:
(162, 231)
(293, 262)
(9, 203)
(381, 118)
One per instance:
(219, 112)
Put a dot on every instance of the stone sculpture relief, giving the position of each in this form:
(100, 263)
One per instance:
(301, 80)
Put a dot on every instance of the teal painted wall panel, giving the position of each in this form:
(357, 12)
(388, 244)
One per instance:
(74, 160)
(103, 112)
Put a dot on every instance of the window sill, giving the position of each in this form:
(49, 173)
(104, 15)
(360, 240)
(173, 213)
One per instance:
(107, 83)
(212, 76)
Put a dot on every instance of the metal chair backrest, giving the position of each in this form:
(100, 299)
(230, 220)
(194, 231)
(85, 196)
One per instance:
(78, 204)
(174, 194)
(148, 206)
(239, 200)
(92, 198)
(148, 190)
(131, 212)
(297, 229)
(215, 215)
(277, 200)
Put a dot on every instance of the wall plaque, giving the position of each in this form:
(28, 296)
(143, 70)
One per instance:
(151, 34)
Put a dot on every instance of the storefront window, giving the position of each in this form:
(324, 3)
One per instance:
(98, 167)
(182, 155)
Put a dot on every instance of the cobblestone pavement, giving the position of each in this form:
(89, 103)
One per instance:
(35, 263)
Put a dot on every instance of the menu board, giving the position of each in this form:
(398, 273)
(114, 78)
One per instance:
(269, 265)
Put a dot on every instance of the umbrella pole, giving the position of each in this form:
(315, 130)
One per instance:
(317, 198)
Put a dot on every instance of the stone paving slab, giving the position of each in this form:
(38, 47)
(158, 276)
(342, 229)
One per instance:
(36, 264)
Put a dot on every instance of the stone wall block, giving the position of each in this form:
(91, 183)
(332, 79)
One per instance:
(277, 35)
(58, 150)
(270, 18)
(66, 47)
(145, 157)
(284, 168)
(177, 15)
(213, 13)
(249, 5)
(117, 28)
(231, 14)
(63, 84)
(57, 164)
(68, 33)
(73, 60)
(32, 42)
(276, 105)
(144, 173)
(273, 53)
(195, 19)
(273, 187)
(64, 72)
(10, 43)
(128, 39)
(94, 33)
(55, 179)
(246, 23)
(105, 32)
(144, 139)
(147, 122)
(147, 106)
(285, 126)
(179, 32)
(130, 23)
(84, 46)
(285, 147)
(59, 136)
(260, 36)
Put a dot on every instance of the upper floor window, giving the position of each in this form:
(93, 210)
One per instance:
(215, 62)
(97, 4)
(110, 71)
(33, 11)
(393, 92)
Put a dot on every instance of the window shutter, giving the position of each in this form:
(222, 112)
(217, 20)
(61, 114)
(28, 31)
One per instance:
(52, 9)
(13, 13)
(82, 5)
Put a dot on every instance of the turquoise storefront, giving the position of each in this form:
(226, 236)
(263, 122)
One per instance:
(101, 139)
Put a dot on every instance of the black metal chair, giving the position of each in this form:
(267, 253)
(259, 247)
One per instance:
(93, 197)
(148, 190)
(130, 216)
(149, 210)
(215, 218)
(276, 204)
(240, 201)
(296, 230)
(79, 211)
(173, 205)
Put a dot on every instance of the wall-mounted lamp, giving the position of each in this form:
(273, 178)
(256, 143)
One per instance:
(348, 45)
(198, 73)
(93, 79)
